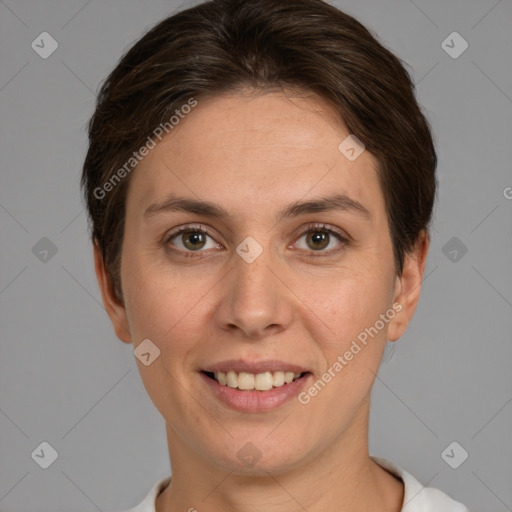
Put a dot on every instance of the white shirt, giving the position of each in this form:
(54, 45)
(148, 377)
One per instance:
(417, 498)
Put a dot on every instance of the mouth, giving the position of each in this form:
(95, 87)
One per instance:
(245, 381)
(255, 386)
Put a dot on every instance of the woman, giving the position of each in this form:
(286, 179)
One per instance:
(260, 181)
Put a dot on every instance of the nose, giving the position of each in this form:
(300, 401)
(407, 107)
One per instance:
(255, 301)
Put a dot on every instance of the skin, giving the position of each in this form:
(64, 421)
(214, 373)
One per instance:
(254, 154)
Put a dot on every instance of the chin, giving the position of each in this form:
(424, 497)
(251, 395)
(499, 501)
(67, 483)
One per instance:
(242, 456)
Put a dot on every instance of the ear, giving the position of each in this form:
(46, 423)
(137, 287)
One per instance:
(114, 307)
(408, 287)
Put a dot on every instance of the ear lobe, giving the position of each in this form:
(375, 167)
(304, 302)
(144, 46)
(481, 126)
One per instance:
(114, 307)
(408, 287)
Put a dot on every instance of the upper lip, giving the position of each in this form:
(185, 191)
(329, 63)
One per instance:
(241, 365)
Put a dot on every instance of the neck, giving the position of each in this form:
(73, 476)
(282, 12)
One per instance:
(342, 474)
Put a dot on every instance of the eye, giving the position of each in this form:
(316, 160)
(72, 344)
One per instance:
(194, 239)
(318, 237)
(191, 239)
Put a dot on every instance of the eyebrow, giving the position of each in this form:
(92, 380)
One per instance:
(322, 204)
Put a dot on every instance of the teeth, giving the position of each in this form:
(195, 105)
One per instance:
(250, 381)
(278, 379)
(245, 380)
(221, 377)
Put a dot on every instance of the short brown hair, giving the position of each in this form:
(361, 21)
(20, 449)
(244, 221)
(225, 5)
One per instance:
(221, 46)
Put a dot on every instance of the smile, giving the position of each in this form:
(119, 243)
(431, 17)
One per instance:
(249, 381)
(253, 387)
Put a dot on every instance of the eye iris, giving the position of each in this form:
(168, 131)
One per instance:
(196, 236)
(318, 237)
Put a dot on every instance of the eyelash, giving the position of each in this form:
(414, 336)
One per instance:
(312, 228)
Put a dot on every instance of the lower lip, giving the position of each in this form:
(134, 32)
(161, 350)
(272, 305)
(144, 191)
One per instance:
(255, 401)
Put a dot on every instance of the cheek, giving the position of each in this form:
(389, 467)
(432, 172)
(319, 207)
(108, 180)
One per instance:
(163, 304)
(164, 308)
(351, 302)
(352, 350)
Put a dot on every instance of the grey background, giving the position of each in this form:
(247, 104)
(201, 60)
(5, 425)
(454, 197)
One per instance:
(67, 380)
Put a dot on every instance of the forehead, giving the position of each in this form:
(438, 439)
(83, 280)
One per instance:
(250, 151)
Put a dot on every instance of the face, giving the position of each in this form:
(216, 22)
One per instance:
(309, 291)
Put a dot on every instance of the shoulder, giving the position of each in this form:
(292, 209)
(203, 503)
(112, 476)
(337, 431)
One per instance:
(148, 503)
(418, 498)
